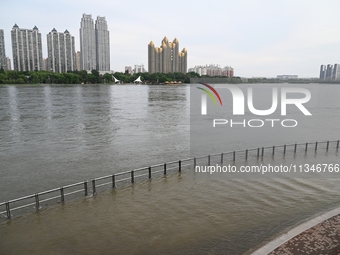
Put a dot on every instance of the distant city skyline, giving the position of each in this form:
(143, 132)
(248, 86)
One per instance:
(259, 39)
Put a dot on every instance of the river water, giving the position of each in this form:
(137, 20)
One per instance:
(52, 136)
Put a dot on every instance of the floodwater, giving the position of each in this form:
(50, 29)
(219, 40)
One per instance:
(56, 135)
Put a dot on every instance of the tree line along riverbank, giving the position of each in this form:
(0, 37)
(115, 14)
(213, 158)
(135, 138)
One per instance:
(94, 77)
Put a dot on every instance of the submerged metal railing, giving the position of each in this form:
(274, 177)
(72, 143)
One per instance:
(35, 200)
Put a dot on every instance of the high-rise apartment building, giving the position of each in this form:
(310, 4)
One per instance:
(336, 72)
(323, 69)
(94, 44)
(167, 58)
(139, 69)
(46, 64)
(102, 45)
(329, 72)
(9, 66)
(128, 69)
(27, 49)
(3, 60)
(87, 43)
(78, 62)
(61, 51)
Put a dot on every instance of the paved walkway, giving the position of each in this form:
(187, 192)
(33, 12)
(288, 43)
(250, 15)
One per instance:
(318, 236)
(324, 238)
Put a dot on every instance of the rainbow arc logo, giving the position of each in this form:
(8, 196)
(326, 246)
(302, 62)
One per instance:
(213, 94)
(210, 94)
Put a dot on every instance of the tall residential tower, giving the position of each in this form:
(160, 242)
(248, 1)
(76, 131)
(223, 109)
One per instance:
(323, 69)
(102, 45)
(61, 51)
(329, 72)
(94, 44)
(87, 43)
(27, 49)
(167, 58)
(3, 60)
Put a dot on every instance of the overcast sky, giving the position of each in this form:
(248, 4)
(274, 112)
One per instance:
(256, 38)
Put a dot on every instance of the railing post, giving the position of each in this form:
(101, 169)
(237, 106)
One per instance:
(62, 197)
(179, 165)
(132, 177)
(306, 147)
(113, 181)
(194, 162)
(273, 150)
(8, 210)
(316, 146)
(222, 158)
(295, 147)
(284, 150)
(85, 188)
(246, 154)
(93, 187)
(37, 205)
(258, 152)
(262, 151)
(337, 144)
(327, 145)
(149, 172)
(164, 168)
(209, 160)
(234, 156)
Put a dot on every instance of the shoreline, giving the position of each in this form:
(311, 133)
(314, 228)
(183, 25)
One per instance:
(321, 233)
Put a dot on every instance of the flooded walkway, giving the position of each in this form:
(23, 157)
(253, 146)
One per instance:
(181, 213)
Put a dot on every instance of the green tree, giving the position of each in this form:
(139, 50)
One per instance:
(91, 78)
(107, 78)
(3, 78)
(95, 73)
